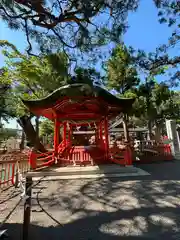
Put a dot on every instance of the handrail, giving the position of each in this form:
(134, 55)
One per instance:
(151, 150)
(45, 159)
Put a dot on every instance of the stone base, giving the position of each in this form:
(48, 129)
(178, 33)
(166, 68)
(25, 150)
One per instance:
(177, 156)
(101, 171)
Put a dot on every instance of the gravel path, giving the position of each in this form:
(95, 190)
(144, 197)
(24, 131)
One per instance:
(135, 208)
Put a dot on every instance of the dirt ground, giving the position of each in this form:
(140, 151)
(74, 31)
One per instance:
(119, 208)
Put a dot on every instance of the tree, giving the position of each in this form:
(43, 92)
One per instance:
(88, 75)
(122, 75)
(3, 106)
(6, 110)
(46, 128)
(168, 13)
(74, 24)
(155, 102)
(5, 134)
(68, 25)
(40, 75)
(27, 75)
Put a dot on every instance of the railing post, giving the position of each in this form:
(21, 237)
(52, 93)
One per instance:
(128, 155)
(14, 179)
(56, 136)
(27, 208)
(32, 159)
(106, 137)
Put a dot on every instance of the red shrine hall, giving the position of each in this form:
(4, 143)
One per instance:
(81, 113)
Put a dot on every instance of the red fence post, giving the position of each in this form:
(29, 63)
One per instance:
(168, 152)
(13, 174)
(32, 159)
(128, 155)
(106, 138)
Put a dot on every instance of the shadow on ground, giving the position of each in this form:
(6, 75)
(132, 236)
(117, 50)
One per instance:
(123, 224)
(134, 208)
(169, 170)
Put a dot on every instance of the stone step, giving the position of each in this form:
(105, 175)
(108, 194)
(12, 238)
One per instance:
(88, 172)
(177, 156)
(93, 169)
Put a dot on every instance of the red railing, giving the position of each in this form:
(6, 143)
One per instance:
(61, 146)
(10, 166)
(121, 156)
(38, 160)
(79, 155)
(150, 151)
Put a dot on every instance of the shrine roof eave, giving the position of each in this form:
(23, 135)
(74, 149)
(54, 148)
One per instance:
(73, 91)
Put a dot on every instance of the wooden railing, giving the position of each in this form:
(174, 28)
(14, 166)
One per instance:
(41, 160)
(144, 151)
(121, 156)
(80, 155)
(149, 151)
(10, 166)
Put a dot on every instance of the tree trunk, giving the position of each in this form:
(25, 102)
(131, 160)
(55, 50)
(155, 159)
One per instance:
(37, 126)
(125, 127)
(158, 131)
(31, 135)
(149, 137)
(22, 140)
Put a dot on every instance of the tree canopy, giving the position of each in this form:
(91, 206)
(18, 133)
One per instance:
(155, 101)
(68, 24)
(6, 108)
(76, 24)
(121, 71)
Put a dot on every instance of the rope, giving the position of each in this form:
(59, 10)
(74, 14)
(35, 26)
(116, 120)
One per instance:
(49, 215)
(9, 198)
(23, 197)
(10, 213)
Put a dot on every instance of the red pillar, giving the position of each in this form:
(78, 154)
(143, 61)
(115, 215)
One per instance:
(64, 133)
(97, 134)
(101, 134)
(56, 136)
(69, 133)
(106, 137)
(128, 155)
(32, 159)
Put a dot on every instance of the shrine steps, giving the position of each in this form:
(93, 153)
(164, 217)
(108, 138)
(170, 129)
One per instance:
(102, 171)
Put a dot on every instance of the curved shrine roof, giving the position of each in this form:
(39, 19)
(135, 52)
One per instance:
(79, 101)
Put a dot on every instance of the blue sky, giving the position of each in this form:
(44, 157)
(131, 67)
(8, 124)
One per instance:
(144, 32)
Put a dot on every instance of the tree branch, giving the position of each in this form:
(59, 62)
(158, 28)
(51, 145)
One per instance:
(66, 16)
(61, 39)
(16, 16)
(164, 61)
(27, 37)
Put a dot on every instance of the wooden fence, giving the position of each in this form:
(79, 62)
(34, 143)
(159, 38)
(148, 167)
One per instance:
(151, 151)
(10, 166)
